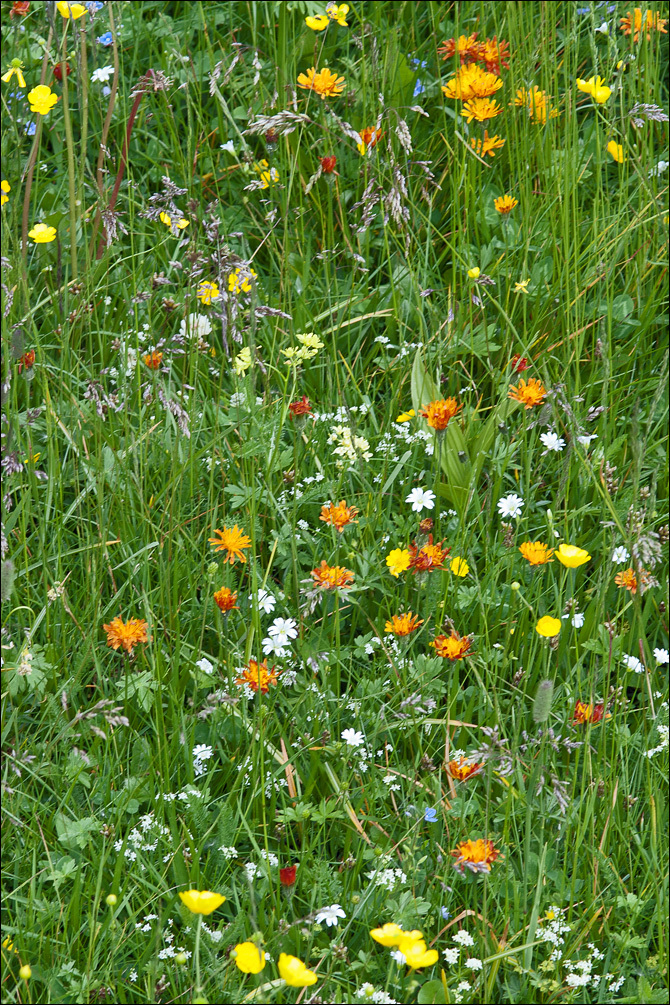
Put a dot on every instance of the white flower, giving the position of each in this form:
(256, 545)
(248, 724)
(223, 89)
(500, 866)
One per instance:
(196, 326)
(329, 915)
(577, 619)
(102, 74)
(661, 655)
(551, 441)
(464, 986)
(451, 955)
(398, 957)
(283, 626)
(205, 665)
(620, 556)
(463, 938)
(275, 645)
(421, 499)
(266, 602)
(229, 147)
(202, 752)
(633, 663)
(577, 980)
(353, 738)
(585, 439)
(473, 963)
(659, 169)
(510, 505)
(228, 851)
(604, 28)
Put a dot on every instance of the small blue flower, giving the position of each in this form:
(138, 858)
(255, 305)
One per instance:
(94, 6)
(422, 63)
(445, 912)
(430, 815)
(418, 89)
(105, 39)
(583, 10)
(31, 128)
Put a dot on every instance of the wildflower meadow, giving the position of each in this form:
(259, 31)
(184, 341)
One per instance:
(334, 502)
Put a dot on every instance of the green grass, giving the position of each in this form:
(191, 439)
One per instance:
(138, 466)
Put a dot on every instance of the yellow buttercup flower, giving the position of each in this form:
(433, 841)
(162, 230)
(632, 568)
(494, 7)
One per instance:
(571, 556)
(248, 957)
(41, 234)
(15, 71)
(474, 273)
(6, 187)
(201, 901)
(389, 934)
(318, 22)
(338, 12)
(459, 566)
(406, 416)
(398, 561)
(616, 150)
(73, 10)
(596, 87)
(548, 627)
(294, 972)
(41, 99)
(167, 220)
(417, 954)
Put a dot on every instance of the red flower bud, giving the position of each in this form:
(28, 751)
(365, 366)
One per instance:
(328, 164)
(287, 875)
(58, 70)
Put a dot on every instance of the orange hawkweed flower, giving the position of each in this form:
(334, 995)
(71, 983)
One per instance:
(481, 109)
(494, 54)
(153, 360)
(258, 676)
(339, 515)
(488, 145)
(324, 82)
(475, 855)
(328, 164)
(126, 633)
(536, 553)
(627, 580)
(27, 360)
(332, 577)
(403, 624)
(465, 46)
(589, 713)
(438, 413)
(225, 600)
(232, 540)
(636, 22)
(302, 407)
(505, 204)
(452, 647)
(464, 769)
(429, 557)
(529, 393)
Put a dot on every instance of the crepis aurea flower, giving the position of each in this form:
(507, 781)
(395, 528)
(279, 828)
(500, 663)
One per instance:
(153, 360)
(505, 204)
(225, 600)
(324, 82)
(439, 413)
(258, 676)
(207, 292)
(403, 624)
(339, 515)
(529, 393)
(370, 137)
(201, 901)
(232, 540)
(477, 856)
(586, 712)
(126, 634)
(536, 553)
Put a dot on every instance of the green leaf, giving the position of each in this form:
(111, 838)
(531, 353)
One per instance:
(431, 993)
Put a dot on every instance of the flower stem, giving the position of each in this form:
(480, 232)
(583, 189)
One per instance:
(71, 178)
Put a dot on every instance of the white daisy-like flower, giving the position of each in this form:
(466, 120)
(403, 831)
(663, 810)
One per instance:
(102, 74)
(620, 556)
(276, 645)
(584, 439)
(552, 441)
(284, 626)
(661, 655)
(633, 663)
(510, 505)
(205, 665)
(577, 619)
(330, 915)
(421, 499)
(353, 737)
(266, 602)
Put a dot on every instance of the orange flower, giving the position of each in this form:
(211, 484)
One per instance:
(636, 23)
(537, 102)
(153, 360)
(466, 46)
(331, 577)
(370, 137)
(529, 393)
(302, 407)
(403, 624)
(27, 360)
(232, 540)
(126, 634)
(488, 145)
(452, 647)
(505, 204)
(494, 54)
(225, 599)
(339, 515)
(464, 769)
(472, 82)
(627, 580)
(258, 676)
(323, 82)
(536, 553)
(589, 713)
(438, 413)
(430, 556)
(475, 855)
(481, 109)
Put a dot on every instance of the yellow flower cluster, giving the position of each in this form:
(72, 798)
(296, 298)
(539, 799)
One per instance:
(309, 347)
